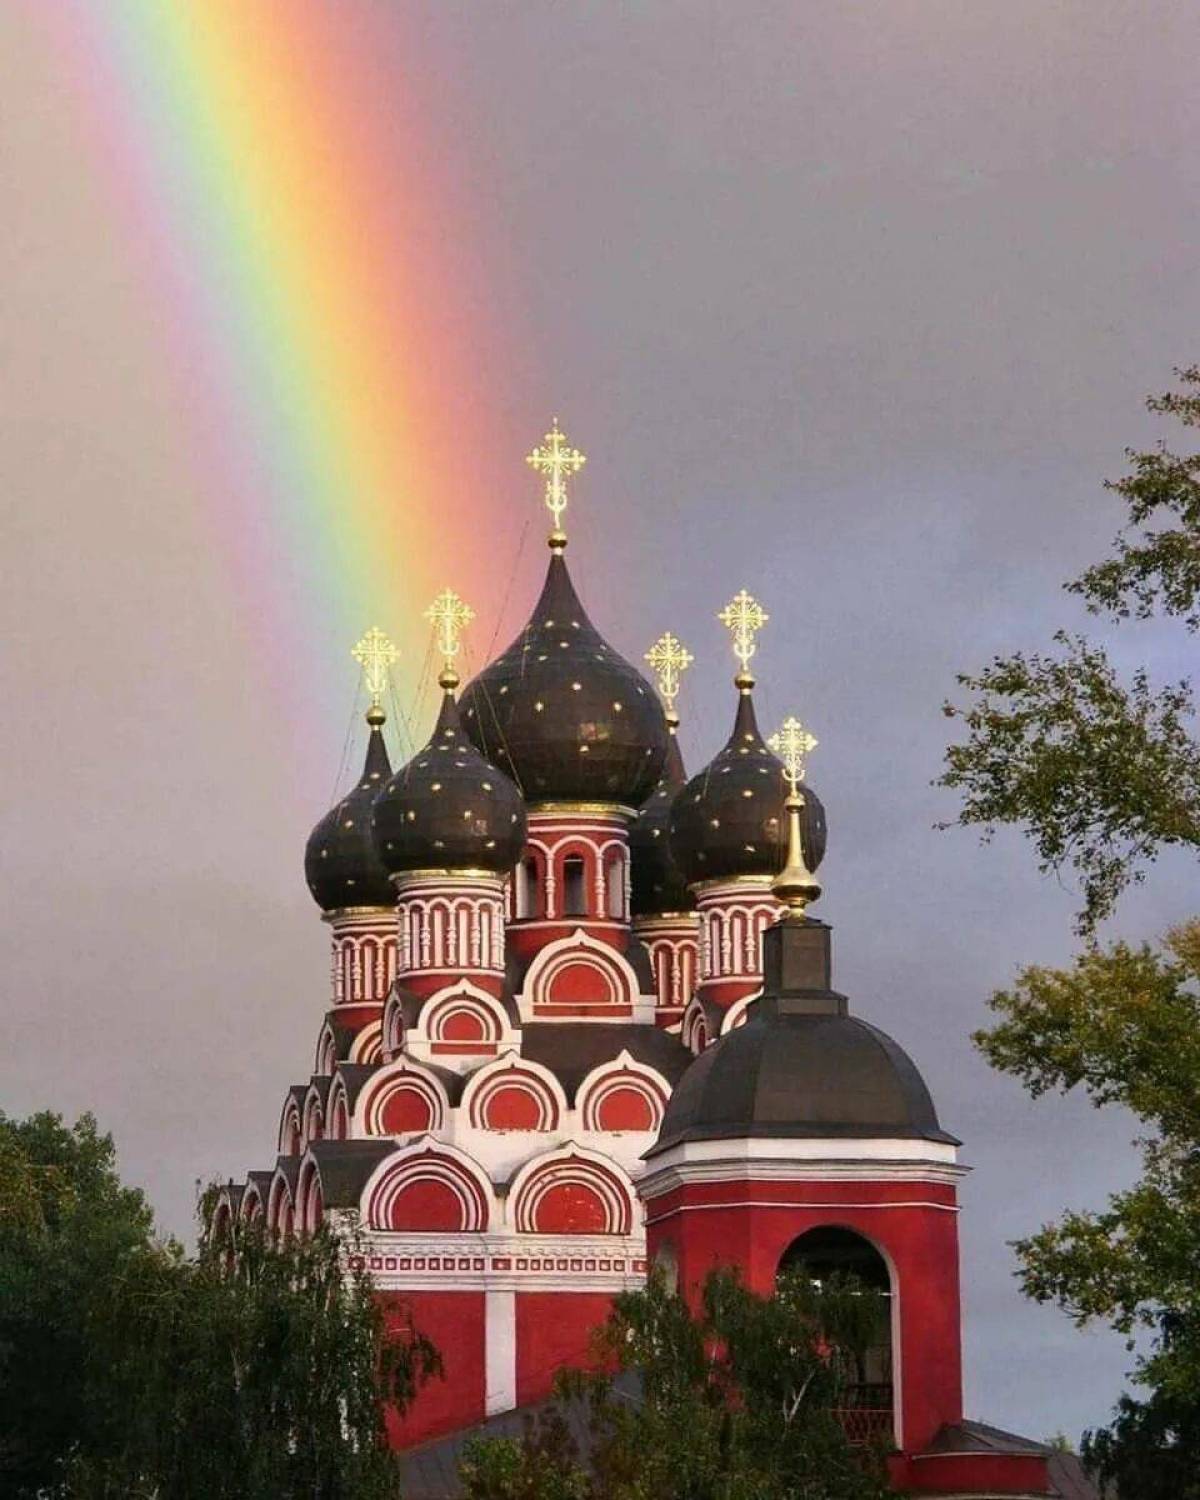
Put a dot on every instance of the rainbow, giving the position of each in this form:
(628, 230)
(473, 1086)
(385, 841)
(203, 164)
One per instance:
(275, 176)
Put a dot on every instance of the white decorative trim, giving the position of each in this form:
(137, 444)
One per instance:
(511, 1063)
(801, 1159)
(500, 1351)
(565, 950)
(818, 1206)
(616, 1071)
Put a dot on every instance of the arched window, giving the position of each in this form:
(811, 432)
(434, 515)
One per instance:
(529, 889)
(614, 881)
(574, 886)
(853, 1282)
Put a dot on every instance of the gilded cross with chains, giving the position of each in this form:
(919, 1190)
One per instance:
(375, 654)
(450, 615)
(792, 744)
(744, 617)
(670, 659)
(557, 461)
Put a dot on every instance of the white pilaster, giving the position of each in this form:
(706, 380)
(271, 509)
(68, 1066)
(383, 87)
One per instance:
(500, 1345)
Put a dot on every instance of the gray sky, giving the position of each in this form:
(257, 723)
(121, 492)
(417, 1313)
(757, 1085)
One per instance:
(854, 306)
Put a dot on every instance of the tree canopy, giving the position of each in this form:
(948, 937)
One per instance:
(128, 1368)
(737, 1401)
(1103, 775)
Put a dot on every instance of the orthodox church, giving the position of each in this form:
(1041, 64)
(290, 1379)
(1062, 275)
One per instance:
(580, 1020)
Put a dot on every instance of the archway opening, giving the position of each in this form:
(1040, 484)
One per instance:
(852, 1299)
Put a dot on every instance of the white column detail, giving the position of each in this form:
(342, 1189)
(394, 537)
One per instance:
(500, 1351)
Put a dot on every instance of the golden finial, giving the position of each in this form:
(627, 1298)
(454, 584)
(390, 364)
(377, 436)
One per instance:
(745, 617)
(375, 654)
(792, 744)
(450, 616)
(557, 461)
(795, 885)
(670, 658)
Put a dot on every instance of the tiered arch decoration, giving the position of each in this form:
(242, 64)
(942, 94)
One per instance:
(428, 1188)
(581, 976)
(310, 1205)
(392, 1028)
(513, 1094)
(622, 1095)
(314, 1117)
(738, 1012)
(338, 1110)
(572, 1192)
(367, 1046)
(252, 1206)
(464, 1020)
(694, 1030)
(291, 1128)
(280, 1209)
(326, 1057)
(402, 1099)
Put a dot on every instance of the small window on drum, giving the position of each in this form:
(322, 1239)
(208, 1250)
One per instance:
(574, 887)
(615, 886)
(528, 889)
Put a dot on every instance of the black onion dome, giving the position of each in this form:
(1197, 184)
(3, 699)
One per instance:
(730, 819)
(449, 808)
(655, 882)
(801, 1065)
(570, 719)
(340, 863)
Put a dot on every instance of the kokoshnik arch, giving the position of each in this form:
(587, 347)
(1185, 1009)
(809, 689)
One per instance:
(551, 1052)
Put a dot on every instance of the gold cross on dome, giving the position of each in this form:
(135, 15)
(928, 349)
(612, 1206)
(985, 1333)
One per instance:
(792, 744)
(557, 461)
(450, 615)
(375, 654)
(744, 617)
(670, 659)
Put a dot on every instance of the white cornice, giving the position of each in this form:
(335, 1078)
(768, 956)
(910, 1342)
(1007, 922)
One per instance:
(801, 1159)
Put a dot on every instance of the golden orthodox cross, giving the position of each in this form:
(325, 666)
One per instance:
(450, 615)
(670, 659)
(792, 744)
(744, 617)
(557, 461)
(375, 654)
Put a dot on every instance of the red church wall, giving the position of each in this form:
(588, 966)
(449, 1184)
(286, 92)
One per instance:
(990, 1474)
(406, 1111)
(914, 1226)
(555, 1329)
(455, 1323)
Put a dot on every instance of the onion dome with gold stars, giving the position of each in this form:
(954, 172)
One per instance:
(560, 710)
(730, 819)
(657, 886)
(340, 862)
(449, 808)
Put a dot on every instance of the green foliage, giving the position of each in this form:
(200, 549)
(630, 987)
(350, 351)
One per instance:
(130, 1369)
(1124, 1024)
(1101, 774)
(736, 1402)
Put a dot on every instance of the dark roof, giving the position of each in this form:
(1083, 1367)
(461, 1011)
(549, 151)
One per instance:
(343, 1035)
(656, 881)
(288, 1167)
(571, 1049)
(730, 819)
(559, 709)
(344, 1167)
(1066, 1472)
(800, 1066)
(449, 808)
(430, 1471)
(340, 863)
(262, 1181)
(320, 1084)
(354, 1075)
(234, 1191)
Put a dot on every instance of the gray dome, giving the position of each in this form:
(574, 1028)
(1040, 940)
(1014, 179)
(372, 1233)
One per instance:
(800, 1066)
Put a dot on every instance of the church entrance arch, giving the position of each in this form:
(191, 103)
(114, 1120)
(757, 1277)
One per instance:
(852, 1278)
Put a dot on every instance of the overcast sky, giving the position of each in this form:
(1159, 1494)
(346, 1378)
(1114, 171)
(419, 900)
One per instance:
(854, 306)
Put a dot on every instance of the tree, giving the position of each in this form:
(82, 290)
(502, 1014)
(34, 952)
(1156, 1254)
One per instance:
(1103, 775)
(738, 1401)
(128, 1368)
